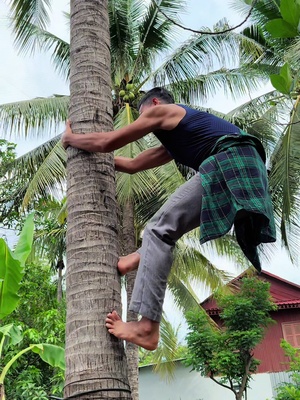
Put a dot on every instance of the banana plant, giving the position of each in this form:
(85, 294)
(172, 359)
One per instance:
(12, 264)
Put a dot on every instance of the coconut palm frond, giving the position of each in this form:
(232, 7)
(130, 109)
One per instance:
(62, 215)
(156, 33)
(254, 106)
(27, 15)
(28, 118)
(284, 178)
(293, 53)
(123, 17)
(168, 351)
(262, 11)
(37, 173)
(190, 257)
(168, 178)
(258, 51)
(33, 159)
(138, 186)
(199, 55)
(125, 116)
(50, 233)
(183, 294)
(60, 50)
(225, 247)
(261, 117)
(155, 30)
(231, 82)
(50, 175)
(192, 267)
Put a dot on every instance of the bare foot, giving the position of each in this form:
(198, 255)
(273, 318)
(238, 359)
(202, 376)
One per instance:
(144, 333)
(128, 263)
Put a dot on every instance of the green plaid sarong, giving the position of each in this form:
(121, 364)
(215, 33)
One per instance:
(234, 181)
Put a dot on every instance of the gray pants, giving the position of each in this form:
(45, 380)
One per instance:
(179, 215)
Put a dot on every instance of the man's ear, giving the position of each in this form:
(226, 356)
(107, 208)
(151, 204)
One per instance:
(155, 101)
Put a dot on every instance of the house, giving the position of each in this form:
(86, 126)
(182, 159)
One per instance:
(286, 295)
(188, 385)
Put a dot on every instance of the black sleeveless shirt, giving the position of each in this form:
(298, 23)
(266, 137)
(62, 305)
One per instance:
(193, 139)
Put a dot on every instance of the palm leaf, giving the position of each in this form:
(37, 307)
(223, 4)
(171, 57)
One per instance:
(166, 354)
(50, 241)
(26, 118)
(26, 16)
(233, 82)
(284, 178)
(37, 173)
(168, 178)
(261, 117)
(193, 70)
(60, 49)
(47, 177)
(191, 266)
(123, 16)
(155, 33)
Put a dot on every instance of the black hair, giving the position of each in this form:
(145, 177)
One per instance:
(160, 93)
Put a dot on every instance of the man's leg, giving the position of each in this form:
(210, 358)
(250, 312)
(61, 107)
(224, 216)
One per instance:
(180, 214)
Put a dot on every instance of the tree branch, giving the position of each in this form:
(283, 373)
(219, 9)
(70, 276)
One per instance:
(222, 384)
(204, 32)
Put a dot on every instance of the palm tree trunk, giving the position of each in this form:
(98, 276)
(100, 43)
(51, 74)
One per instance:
(132, 350)
(95, 361)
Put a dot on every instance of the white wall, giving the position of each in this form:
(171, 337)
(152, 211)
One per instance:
(192, 386)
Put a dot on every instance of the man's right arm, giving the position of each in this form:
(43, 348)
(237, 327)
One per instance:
(149, 158)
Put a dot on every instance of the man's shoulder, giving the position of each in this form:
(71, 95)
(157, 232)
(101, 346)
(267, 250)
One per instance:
(170, 109)
(164, 110)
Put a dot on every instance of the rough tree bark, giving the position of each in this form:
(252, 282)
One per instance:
(95, 361)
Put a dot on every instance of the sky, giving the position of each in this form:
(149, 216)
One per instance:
(23, 77)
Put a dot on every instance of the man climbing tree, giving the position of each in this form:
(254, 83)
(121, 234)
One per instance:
(230, 188)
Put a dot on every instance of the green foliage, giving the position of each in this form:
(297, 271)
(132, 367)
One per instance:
(29, 385)
(42, 320)
(291, 390)
(280, 28)
(7, 157)
(7, 154)
(289, 24)
(12, 265)
(51, 354)
(227, 352)
(284, 81)
(11, 268)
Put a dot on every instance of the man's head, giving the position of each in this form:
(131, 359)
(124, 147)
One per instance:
(155, 96)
